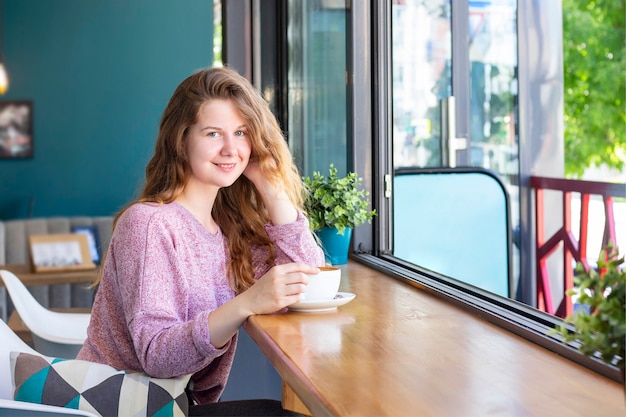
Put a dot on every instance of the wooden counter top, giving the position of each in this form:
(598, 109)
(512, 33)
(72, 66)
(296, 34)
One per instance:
(398, 351)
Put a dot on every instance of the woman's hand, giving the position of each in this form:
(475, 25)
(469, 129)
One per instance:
(279, 207)
(280, 287)
(253, 173)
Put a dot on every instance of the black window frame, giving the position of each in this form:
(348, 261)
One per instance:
(370, 153)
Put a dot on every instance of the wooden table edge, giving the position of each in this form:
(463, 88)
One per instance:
(291, 375)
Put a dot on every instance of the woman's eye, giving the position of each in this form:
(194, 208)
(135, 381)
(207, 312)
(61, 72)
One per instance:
(240, 133)
(213, 134)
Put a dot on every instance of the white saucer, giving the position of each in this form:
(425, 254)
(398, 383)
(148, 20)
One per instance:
(315, 306)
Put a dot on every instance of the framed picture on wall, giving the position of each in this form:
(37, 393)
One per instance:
(16, 129)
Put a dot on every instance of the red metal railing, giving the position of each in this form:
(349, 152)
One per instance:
(573, 249)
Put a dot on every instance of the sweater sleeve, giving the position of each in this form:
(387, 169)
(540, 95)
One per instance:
(155, 290)
(294, 242)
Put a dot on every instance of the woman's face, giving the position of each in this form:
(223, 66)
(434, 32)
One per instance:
(218, 144)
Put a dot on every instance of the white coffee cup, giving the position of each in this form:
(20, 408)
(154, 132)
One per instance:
(323, 286)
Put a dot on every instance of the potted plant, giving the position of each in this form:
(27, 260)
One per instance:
(334, 206)
(600, 325)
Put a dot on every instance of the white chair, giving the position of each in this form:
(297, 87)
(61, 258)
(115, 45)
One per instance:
(9, 407)
(54, 334)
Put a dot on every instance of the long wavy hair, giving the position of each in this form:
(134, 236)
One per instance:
(238, 209)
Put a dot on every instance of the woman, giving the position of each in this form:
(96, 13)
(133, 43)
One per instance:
(216, 235)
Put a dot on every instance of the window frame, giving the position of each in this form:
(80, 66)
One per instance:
(369, 99)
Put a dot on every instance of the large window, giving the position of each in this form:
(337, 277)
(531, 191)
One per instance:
(408, 87)
(441, 121)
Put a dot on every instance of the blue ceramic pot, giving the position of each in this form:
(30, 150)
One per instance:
(335, 246)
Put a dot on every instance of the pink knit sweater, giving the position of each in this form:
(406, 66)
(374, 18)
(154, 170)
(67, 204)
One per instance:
(164, 274)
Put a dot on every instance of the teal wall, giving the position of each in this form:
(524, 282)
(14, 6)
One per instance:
(99, 74)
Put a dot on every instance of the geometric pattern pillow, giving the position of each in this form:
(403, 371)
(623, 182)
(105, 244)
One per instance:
(97, 388)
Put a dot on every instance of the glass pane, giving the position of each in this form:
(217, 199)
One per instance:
(493, 60)
(493, 98)
(317, 101)
(422, 76)
(217, 33)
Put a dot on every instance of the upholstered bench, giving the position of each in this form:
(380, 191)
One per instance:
(14, 249)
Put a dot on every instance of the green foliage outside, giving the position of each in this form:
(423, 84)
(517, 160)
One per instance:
(602, 330)
(334, 201)
(595, 84)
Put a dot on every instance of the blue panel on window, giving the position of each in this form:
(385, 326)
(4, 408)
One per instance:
(456, 224)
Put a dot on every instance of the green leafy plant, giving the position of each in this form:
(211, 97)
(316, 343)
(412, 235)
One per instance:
(333, 201)
(601, 329)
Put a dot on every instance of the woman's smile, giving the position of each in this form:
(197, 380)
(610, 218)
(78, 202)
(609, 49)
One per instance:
(227, 167)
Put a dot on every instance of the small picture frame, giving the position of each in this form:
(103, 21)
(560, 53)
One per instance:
(60, 252)
(16, 129)
(93, 238)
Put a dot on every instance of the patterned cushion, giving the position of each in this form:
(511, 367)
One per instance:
(97, 388)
